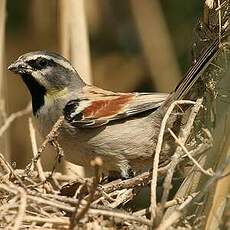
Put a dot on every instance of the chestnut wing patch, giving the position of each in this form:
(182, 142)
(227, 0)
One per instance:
(107, 108)
(96, 113)
(97, 107)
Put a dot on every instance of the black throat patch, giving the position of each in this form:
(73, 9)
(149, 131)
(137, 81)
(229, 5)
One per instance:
(37, 92)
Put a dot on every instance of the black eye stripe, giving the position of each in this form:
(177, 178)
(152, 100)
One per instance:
(41, 63)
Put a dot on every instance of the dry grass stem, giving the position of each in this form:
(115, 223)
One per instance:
(170, 203)
(176, 214)
(38, 164)
(97, 163)
(210, 3)
(11, 170)
(205, 172)
(2, 40)
(177, 157)
(21, 209)
(149, 21)
(119, 214)
(35, 151)
(49, 139)
(95, 202)
(157, 153)
(13, 117)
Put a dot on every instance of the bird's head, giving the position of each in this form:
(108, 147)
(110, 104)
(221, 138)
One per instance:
(46, 74)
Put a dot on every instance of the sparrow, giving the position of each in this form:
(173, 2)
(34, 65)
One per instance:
(120, 128)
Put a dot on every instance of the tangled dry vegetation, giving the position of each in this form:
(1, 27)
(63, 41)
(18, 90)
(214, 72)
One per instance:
(32, 198)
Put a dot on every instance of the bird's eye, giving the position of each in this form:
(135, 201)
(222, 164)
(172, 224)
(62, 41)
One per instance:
(42, 63)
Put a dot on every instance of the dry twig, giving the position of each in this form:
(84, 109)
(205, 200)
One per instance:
(176, 214)
(11, 170)
(157, 154)
(35, 150)
(49, 139)
(38, 164)
(21, 209)
(205, 172)
(184, 134)
(13, 117)
(97, 163)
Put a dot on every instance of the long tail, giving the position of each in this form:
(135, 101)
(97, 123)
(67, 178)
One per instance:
(196, 70)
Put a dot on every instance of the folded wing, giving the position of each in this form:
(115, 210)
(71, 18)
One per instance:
(96, 107)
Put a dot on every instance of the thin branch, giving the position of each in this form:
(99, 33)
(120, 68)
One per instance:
(219, 20)
(184, 134)
(97, 163)
(170, 203)
(53, 220)
(21, 209)
(35, 150)
(2, 41)
(38, 164)
(13, 117)
(165, 224)
(11, 170)
(49, 138)
(124, 216)
(59, 155)
(205, 172)
(157, 153)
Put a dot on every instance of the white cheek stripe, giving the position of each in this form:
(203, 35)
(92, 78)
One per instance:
(39, 77)
(58, 61)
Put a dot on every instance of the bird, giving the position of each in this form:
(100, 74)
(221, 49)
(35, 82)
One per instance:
(120, 128)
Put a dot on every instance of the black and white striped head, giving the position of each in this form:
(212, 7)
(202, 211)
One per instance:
(45, 73)
(50, 70)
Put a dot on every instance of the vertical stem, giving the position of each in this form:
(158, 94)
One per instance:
(64, 28)
(4, 141)
(74, 36)
(156, 44)
(74, 43)
(2, 39)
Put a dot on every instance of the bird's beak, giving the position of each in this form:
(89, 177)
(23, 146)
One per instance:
(19, 67)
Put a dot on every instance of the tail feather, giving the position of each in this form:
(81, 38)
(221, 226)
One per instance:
(196, 70)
